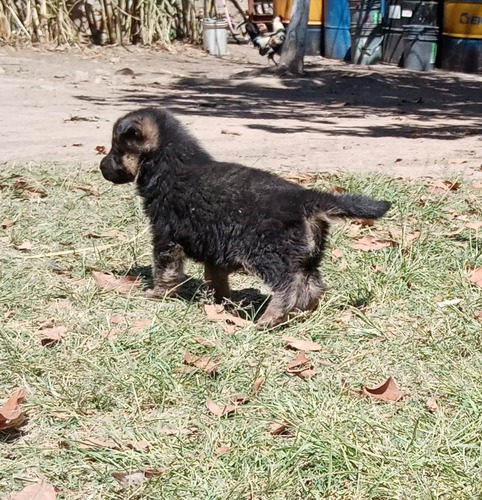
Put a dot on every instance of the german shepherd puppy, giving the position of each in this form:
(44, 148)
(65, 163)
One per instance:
(225, 215)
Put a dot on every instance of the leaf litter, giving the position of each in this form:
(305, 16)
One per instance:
(369, 243)
(137, 478)
(217, 312)
(301, 344)
(220, 410)
(202, 362)
(125, 284)
(476, 277)
(11, 417)
(388, 391)
(301, 366)
(42, 490)
(52, 335)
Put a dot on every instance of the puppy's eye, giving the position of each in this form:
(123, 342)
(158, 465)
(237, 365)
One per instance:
(133, 134)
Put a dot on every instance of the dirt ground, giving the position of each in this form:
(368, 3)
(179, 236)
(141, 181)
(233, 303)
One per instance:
(59, 105)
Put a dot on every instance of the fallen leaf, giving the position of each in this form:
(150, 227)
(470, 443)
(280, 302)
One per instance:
(230, 132)
(177, 432)
(222, 450)
(202, 362)
(89, 189)
(239, 399)
(115, 319)
(364, 222)
(368, 243)
(140, 324)
(336, 254)
(299, 178)
(300, 344)
(38, 491)
(220, 410)
(77, 144)
(122, 285)
(457, 161)
(388, 391)
(26, 245)
(8, 223)
(337, 189)
(50, 336)
(92, 443)
(128, 480)
(10, 414)
(217, 313)
(207, 342)
(23, 185)
(113, 233)
(474, 225)
(478, 316)
(152, 472)
(258, 383)
(431, 405)
(301, 366)
(142, 446)
(476, 277)
(439, 186)
(280, 429)
(101, 150)
(398, 160)
(378, 268)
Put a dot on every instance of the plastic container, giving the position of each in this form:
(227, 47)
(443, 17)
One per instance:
(462, 36)
(419, 46)
(215, 36)
(366, 31)
(282, 8)
(337, 29)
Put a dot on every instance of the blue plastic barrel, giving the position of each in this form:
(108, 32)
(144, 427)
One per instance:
(337, 29)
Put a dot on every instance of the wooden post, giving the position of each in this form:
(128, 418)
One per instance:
(294, 45)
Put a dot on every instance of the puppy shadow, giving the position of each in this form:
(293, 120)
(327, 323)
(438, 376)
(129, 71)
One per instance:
(248, 303)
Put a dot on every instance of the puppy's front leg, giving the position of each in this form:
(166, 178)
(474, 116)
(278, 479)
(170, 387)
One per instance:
(217, 281)
(168, 269)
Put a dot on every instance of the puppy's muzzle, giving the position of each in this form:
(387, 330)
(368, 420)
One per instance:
(115, 171)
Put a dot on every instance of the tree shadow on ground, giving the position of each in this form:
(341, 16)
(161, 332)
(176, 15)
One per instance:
(324, 97)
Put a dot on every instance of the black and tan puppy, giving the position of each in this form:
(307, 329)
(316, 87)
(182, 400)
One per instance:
(225, 215)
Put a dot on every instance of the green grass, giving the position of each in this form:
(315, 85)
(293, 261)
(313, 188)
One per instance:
(129, 387)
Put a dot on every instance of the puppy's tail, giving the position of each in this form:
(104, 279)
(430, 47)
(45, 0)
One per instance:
(350, 205)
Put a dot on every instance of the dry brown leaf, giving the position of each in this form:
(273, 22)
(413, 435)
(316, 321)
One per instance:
(307, 373)
(89, 189)
(217, 313)
(23, 185)
(478, 316)
(431, 405)
(280, 429)
(152, 472)
(91, 443)
(474, 225)
(140, 324)
(101, 150)
(336, 254)
(239, 399)
(222, 450)
(52, 335)
(337, 189)
(258, 383)
(300, 344)
(207, 342)
(368, 243)
(299, 178)
(122, 285)
(476, 277)
(8, 223)
(38, 491)
(220, 410)
(230, 132)
(388, 391)
(178, 432)
(457, 161)
(113, 233)
(128, 480)
(10, 414)
(26, 245)
(364, 222)
(202, 362)
(301, 366)
(439, 186)
(142, 446)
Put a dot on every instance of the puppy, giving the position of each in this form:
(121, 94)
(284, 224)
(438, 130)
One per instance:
(225, 215)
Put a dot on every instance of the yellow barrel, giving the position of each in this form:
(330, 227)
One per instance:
(463, 19)
(283, 8)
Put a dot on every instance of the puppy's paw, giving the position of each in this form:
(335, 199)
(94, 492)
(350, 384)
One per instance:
(268, 321)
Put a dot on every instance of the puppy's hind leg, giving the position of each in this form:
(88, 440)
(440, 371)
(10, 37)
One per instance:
(310, 289)
(217, 280)
(168, 270)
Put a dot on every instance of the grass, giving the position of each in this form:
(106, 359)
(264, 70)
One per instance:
(111, 381)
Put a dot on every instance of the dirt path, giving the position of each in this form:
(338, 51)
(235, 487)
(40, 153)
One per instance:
(58, 106)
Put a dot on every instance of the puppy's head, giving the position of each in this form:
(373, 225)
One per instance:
(135, 136)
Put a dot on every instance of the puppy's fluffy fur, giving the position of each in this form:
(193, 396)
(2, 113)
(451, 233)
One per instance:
(225, 215)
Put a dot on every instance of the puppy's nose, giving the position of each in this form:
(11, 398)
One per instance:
(103, 162)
